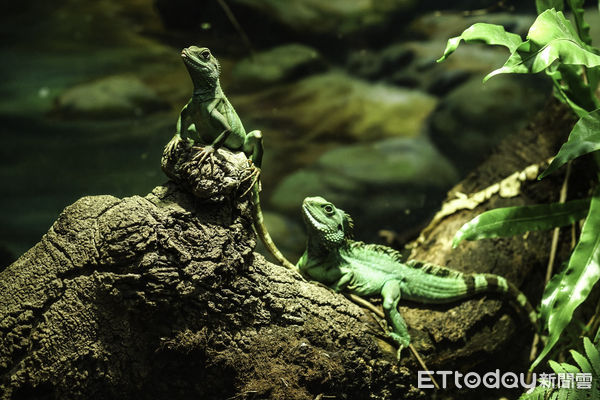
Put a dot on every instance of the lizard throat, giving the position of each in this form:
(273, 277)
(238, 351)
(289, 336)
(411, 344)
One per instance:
(312, 221)
(323, 235)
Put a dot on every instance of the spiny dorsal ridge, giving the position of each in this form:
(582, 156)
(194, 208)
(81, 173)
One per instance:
(433, 269)
(378, 248)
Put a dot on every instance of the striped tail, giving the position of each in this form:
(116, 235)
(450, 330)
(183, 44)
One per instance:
(490, 283)
(259, 225)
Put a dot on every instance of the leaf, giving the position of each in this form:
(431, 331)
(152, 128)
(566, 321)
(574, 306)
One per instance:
(593, 75)
(543, 5)
(583, 139)
(486, 33)
(549, 296)
(576, 89)
(583, 362)
(510, 221)
(564, 93)
(551, 38)
(563, 368)
(588, 363)
(582, 27)
(581, 274)
(593, 356)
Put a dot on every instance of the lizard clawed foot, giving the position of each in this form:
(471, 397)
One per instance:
(172, 146)
(401, 342)
(204, 153)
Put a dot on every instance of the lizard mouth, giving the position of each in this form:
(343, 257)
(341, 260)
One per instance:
(190, 58)
(194, 61)
(310, 219)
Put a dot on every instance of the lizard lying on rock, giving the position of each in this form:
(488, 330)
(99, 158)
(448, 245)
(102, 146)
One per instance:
(333, 258)
(210, 119)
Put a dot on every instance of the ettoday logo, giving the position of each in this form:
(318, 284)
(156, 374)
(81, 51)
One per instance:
(506, 380)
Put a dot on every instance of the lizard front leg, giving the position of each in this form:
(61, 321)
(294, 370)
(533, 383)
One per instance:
(220, 121)
(253, 147)
(174, 142)
(391, 296)
(343, 282)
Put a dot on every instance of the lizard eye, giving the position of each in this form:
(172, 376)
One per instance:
(328, 209)
(206, 54)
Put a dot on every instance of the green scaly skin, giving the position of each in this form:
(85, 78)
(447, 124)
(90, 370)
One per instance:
(367, 270)
(209, 119)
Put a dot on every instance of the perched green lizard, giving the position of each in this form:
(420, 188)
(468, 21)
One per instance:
(333, 258)
(210, 119)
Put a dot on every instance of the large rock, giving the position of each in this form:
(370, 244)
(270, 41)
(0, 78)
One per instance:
(473, 119)
(413, 64)
(272, 19)
(334, 18)
(442, 26)
(276, 66)
(336, 105)
(111, 97)
(387, 184)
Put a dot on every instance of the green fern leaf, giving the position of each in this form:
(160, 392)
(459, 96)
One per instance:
(577, 280)
(551, 38)
(486, 33)
(510, 221)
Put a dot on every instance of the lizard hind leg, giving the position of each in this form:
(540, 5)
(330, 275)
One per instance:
(391, 296)
(253, 147)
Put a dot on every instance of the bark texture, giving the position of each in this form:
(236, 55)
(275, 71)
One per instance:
(162, 297)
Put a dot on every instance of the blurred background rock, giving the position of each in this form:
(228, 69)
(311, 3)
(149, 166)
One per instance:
(347, 93)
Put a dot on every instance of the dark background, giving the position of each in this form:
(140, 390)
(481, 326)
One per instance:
(351, 103)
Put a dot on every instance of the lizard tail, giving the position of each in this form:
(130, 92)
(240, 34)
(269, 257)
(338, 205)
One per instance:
(261, 230)
(496, 284)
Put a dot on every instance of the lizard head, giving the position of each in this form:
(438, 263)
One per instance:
(325, 222)
(203, 67)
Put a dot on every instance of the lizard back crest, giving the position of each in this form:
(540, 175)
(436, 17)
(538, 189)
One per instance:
(433, 269)
(394, 255)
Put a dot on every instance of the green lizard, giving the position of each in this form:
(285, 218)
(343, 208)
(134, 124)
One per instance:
(210, 119)
(333, 258)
